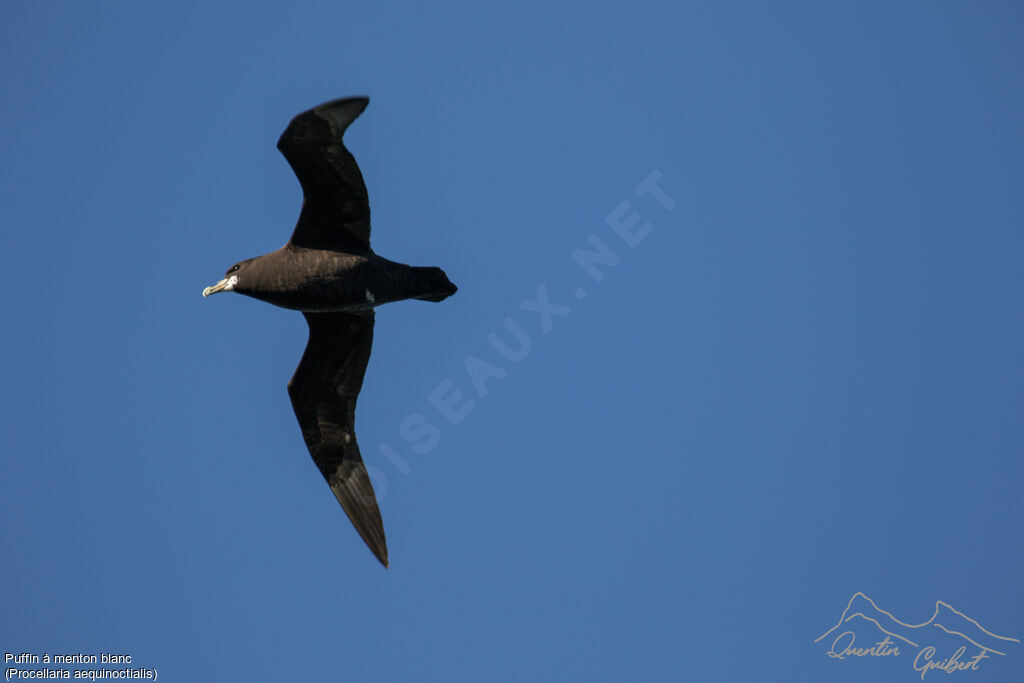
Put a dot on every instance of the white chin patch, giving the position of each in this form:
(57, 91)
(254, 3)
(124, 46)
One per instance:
(232, 281)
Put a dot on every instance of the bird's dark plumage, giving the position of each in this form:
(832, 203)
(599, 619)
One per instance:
(328, 271)
(323, 392)
(335, 209)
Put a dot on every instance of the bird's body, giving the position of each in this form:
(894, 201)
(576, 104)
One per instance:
(325, 281)
(328, 271)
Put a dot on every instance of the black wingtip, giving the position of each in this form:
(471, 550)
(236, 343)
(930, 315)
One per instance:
(323, 124)
(379, 551)
(352, 488)
(347, 107)
(371, 530)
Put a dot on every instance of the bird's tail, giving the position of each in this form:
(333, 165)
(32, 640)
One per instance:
(435, 284)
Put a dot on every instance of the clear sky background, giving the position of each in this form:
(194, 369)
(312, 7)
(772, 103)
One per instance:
(804, 381)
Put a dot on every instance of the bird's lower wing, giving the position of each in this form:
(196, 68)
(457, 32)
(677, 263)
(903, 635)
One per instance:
(323, 393)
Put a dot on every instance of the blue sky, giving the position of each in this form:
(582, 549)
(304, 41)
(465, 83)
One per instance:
(803, 382)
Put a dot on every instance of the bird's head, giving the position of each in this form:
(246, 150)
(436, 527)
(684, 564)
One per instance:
(234, 275)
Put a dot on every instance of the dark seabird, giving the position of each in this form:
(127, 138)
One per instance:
(328, 271)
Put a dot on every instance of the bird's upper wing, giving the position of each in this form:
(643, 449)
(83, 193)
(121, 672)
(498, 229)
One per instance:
(323, 392)
(335, 210)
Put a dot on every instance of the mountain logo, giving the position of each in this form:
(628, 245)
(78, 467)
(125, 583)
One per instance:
(950, 641)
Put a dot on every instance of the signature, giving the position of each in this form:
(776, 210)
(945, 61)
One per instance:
(899, 637)
(923, 661)
(883, 648)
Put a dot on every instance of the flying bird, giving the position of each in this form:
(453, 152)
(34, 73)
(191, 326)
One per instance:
(328, 271)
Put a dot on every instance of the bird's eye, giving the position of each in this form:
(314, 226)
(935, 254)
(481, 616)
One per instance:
(233, 268)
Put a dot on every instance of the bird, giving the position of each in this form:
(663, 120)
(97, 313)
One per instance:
(328, 271)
